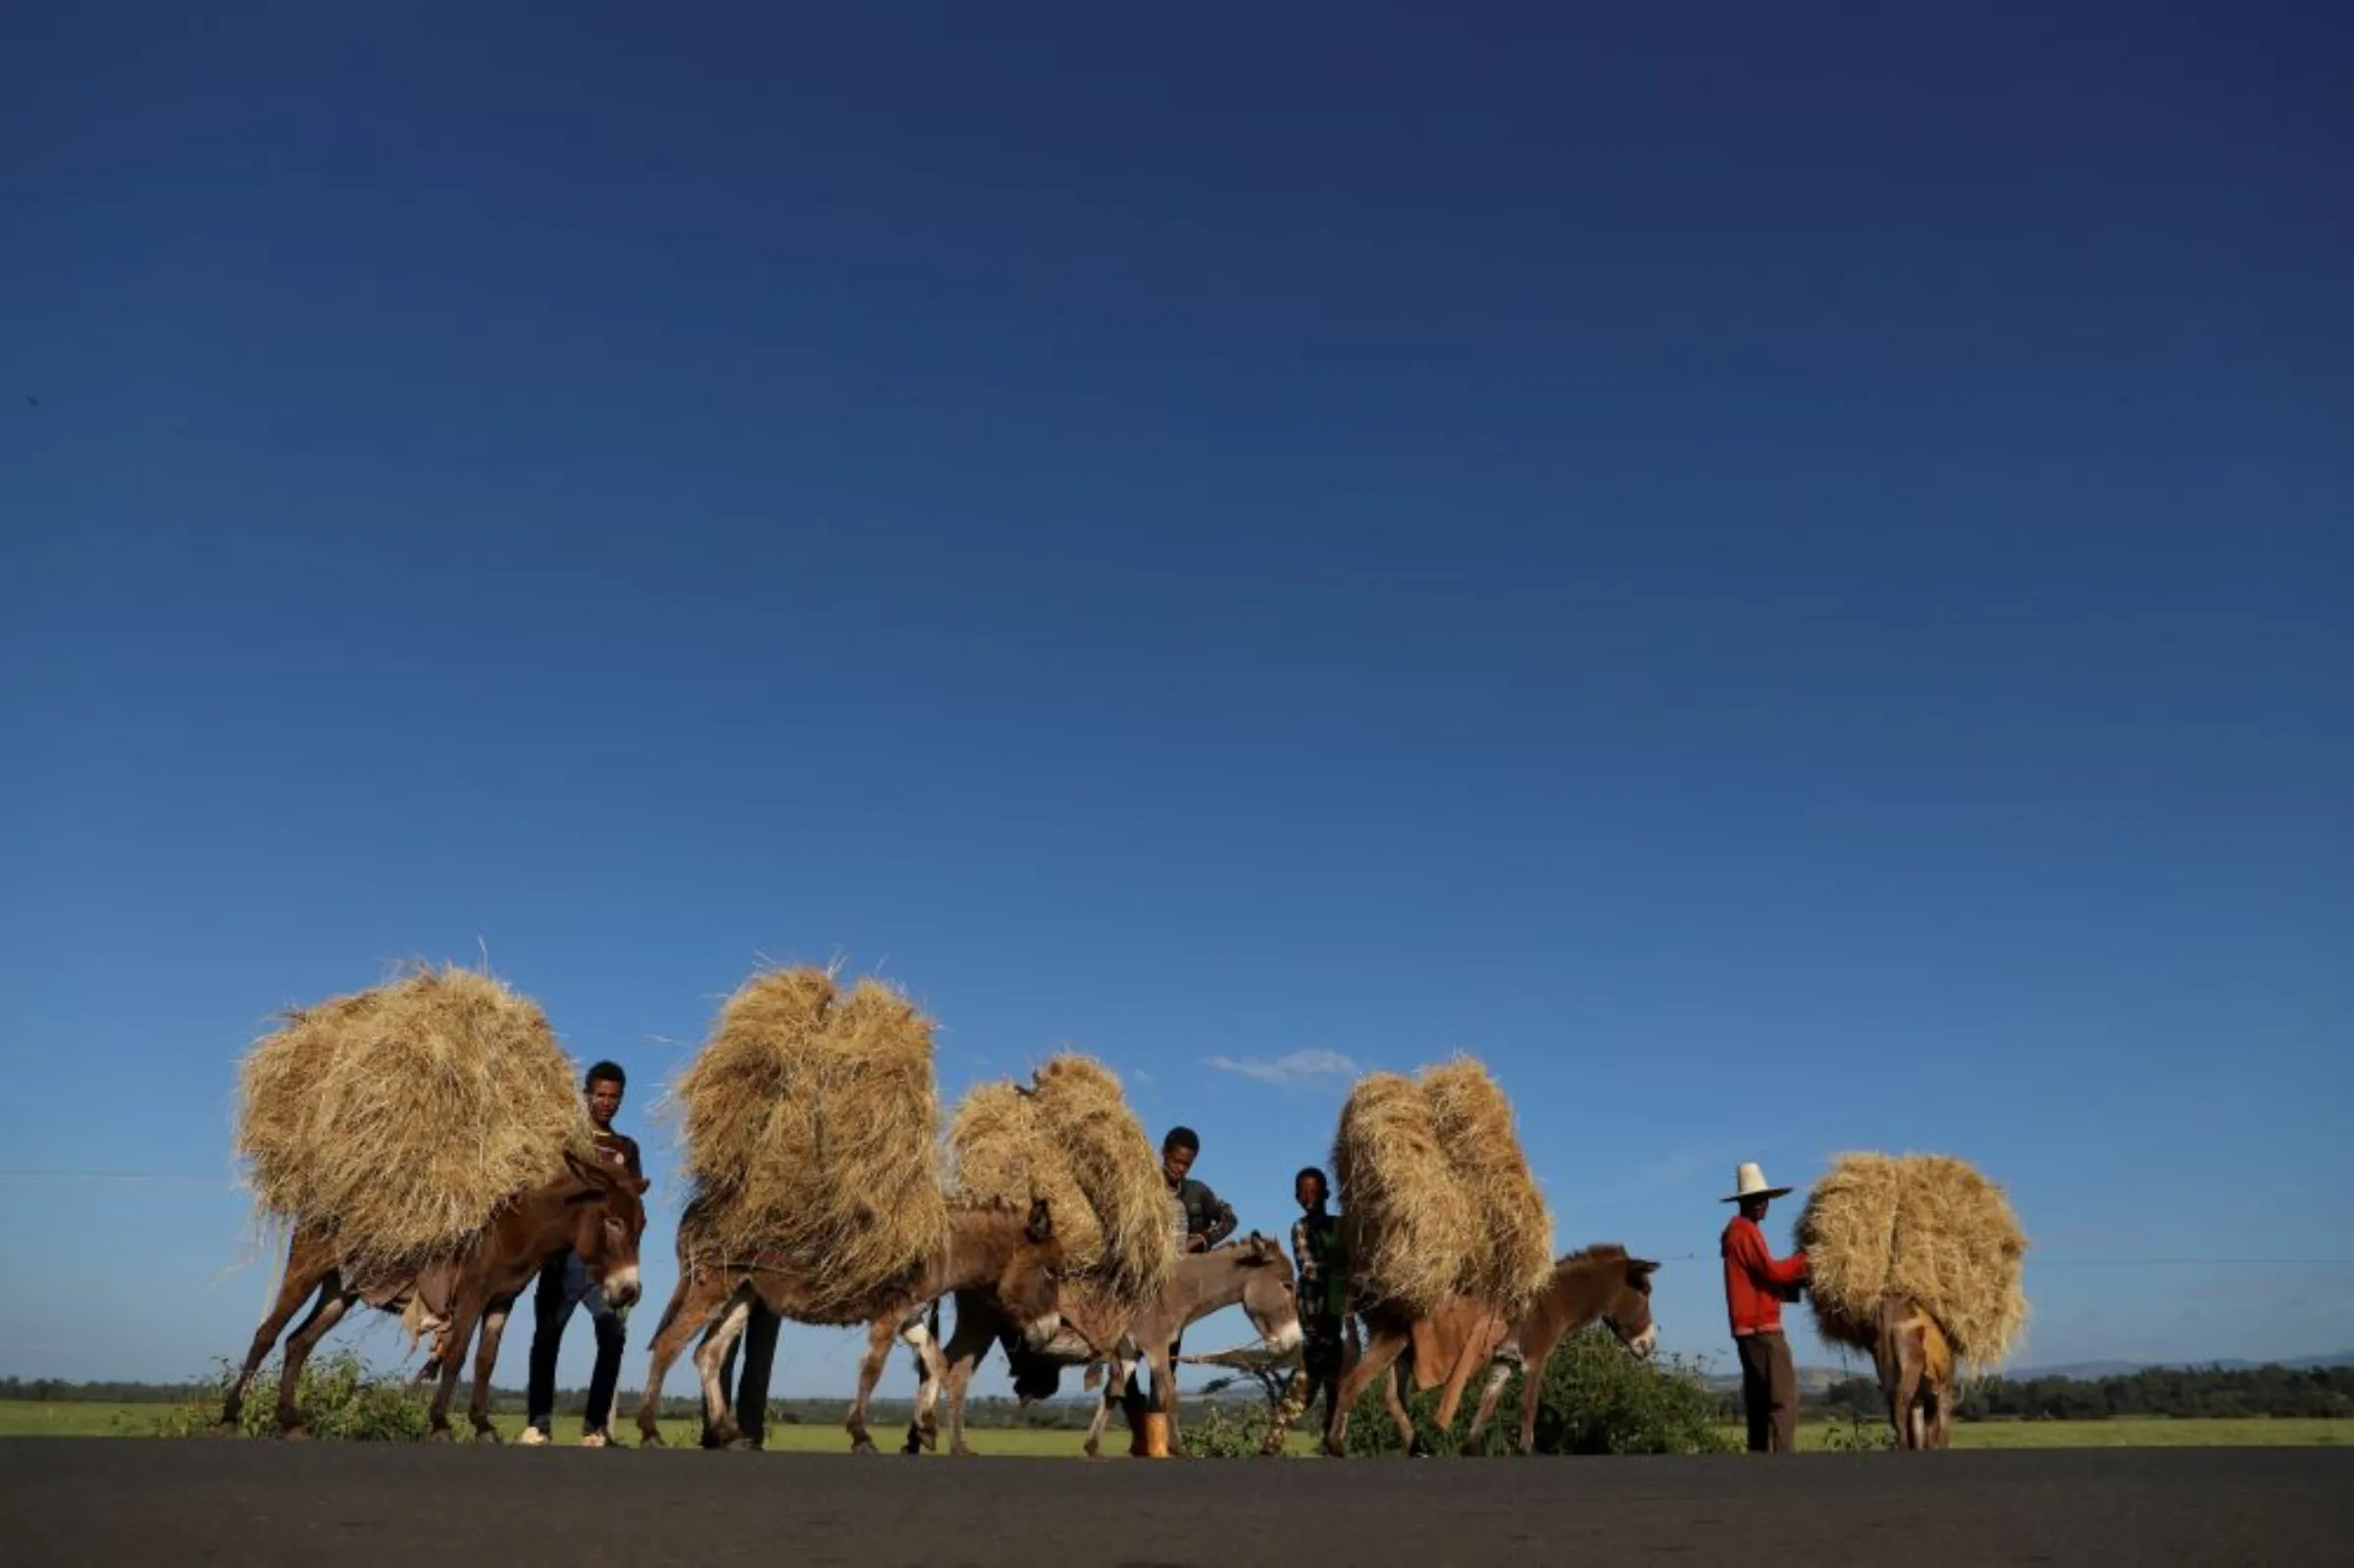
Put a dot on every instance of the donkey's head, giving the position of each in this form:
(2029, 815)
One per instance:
(1627, 1307)
(1028, 1283)
(607, 1218)
(1271, 1294)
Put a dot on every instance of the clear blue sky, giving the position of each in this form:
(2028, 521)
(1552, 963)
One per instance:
(1783, 579)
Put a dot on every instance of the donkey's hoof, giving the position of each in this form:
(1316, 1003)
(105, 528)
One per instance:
(226, 1429)
(298, 1433)
(488, 1434)
(863, 1445)
(440, 1435)
(740, 1445)
(651, 1440)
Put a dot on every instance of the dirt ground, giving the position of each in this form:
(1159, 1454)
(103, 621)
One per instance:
(70, 1501)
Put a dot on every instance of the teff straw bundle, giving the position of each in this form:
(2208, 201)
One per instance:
(402, 1117)
(810, 1126)
(1072, 1140)
(1436, 1192)
(1925, 1225)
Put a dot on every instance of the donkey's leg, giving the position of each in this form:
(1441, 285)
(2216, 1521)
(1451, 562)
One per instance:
(1382, 1347)
(304, 1274)
(1162, 1359)
(688, 1309)
(966, 1347)
(468, 1309)
(1393, 1399)
(1532, 1359)
(333, 1301)
(485, 1357)
(880, 1336)
(931, 1369)
(1122, 1369)
(723, 1431)
(1903, 1404)
(1491, 1395)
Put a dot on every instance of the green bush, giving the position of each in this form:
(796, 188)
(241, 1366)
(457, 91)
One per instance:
(1859, 1434)
(338, 1398)
(1596, 1399)
(1224, 1430)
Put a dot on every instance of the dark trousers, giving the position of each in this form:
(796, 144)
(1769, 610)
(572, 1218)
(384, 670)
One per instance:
(759, 1342)
(564, 1284)
(1768, 1393)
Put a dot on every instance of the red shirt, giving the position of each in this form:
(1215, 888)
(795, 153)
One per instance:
(1754, 1281)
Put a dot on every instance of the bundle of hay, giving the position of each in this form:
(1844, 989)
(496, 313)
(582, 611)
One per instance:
(404, 1116)
(1925, 1225)
(1072, 1140)
(809, 1125)
(1475, 1124)
(1435, 1193)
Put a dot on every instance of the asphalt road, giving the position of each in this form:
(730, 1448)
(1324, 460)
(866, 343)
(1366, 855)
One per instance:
(113, 1500)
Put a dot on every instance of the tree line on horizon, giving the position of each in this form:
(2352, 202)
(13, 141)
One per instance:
(2178, 1392)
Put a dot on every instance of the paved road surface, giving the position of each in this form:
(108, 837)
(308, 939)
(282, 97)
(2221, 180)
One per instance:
(113, 1500)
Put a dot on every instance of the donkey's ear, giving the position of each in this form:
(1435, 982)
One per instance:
(1641, 1268)
(589, 1171)
(1041, 1228)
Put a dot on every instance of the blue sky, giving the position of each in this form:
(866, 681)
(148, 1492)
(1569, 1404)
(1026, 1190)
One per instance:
(1782, 580)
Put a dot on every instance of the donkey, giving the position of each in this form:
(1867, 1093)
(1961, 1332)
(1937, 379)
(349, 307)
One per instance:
(1016, 1261)
(1097, 1334)
(1916, 1363)
(1601, 1282)
(594, 1208)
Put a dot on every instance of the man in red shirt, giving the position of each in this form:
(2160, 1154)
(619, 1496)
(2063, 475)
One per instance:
(1756, 1285)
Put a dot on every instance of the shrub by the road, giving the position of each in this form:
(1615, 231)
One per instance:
(1225, 1430)
(338, 1398)
(1597, 1399)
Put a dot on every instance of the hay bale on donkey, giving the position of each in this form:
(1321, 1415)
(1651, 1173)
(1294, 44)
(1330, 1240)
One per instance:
(1436, 1195)
(1069, 1137)
(1446, 1229)
(809, 1132)
(809, 1125)
(424, 1145)
(1916, 1260)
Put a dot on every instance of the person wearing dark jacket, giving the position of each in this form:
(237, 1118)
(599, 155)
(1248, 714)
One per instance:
(1201, 1220)
(1756, 1285)
(564, 1284)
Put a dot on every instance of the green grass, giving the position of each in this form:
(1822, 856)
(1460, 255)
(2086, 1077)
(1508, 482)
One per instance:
(28, 1418)
(2131, 1432)
(33, 1419)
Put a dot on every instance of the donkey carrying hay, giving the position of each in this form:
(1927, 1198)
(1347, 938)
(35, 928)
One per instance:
(1917, 1261)
(424, 1146)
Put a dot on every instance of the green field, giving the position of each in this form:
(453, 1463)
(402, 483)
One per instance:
(28, 1419)
(2138, 1432)
(31, 1419)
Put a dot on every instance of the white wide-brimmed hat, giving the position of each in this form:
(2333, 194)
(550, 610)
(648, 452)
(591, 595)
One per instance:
(1750, 1182)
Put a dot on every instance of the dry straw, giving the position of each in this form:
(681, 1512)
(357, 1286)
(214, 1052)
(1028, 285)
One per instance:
(1474, 1123)
(1072, 1140)
(1435, 1193)
(1923, 1226)
(809, 1127)
(404, 1116)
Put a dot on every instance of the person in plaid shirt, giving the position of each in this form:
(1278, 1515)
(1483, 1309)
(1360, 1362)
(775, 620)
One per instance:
(1322, 1263)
